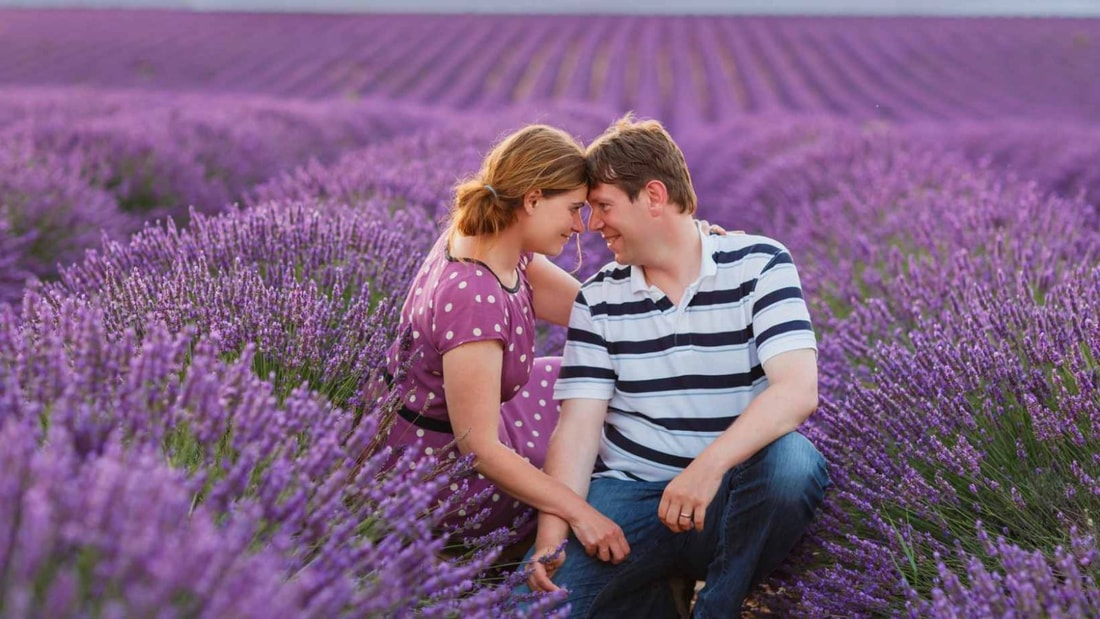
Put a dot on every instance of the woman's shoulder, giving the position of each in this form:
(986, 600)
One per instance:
(466, 283)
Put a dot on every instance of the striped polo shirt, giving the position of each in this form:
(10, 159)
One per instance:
(676, 376)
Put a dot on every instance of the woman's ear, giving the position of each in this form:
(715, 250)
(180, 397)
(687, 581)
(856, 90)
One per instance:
(531, 199)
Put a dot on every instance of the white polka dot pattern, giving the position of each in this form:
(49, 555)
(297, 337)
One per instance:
(453, 303)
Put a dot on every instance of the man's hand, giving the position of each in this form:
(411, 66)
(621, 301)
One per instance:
(684, 503)
(600, 536)
(544, 563)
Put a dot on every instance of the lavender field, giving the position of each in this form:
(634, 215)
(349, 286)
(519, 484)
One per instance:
(208, 221)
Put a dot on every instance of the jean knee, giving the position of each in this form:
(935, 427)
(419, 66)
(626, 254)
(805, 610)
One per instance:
(797, 471)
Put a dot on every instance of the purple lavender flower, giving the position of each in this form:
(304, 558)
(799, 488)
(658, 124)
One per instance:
(305, 517)
(314, 289)
(118, 533)
(1022, 583)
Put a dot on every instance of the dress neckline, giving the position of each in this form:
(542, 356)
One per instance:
(450, 258)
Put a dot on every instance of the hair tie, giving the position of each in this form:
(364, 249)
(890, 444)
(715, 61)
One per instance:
(492, 191)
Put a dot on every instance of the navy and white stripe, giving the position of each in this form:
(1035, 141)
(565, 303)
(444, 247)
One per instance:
(676, 377)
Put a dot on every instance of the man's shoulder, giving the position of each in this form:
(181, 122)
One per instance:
(609, 274)
(746, 243)
(746, 251)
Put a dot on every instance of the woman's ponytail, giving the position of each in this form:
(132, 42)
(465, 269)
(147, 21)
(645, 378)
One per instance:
(535, 157)
(480, 209)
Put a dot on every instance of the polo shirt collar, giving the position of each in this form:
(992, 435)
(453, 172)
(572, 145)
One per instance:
(707, 266)
(638, 284)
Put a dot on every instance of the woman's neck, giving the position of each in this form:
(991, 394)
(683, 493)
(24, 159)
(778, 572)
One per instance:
(500, 252)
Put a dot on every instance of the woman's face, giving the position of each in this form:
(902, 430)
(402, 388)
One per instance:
(554, 220)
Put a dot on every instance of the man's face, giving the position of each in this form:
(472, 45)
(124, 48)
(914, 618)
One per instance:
(619, 221)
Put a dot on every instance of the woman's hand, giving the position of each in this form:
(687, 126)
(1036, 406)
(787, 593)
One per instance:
(544, 563)
(708, 228)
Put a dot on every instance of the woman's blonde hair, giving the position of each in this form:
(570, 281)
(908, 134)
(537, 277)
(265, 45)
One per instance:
(535, 157)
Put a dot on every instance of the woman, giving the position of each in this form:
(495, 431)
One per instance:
(468, 323)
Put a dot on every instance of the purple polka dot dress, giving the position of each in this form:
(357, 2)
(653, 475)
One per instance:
(453, 302)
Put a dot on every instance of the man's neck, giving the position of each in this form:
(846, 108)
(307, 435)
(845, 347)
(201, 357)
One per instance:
(675, 263)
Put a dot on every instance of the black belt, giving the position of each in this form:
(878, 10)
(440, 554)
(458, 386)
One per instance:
(420, 421)
(417, 419)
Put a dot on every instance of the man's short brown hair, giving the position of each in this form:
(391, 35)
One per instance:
(631, 153)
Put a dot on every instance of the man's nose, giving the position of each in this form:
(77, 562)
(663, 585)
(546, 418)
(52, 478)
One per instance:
(594, 221)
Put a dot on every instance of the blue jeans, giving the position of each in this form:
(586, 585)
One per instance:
(761, 509)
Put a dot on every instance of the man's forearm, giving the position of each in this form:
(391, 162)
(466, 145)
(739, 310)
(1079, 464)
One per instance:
(570, 459)
(773, 413)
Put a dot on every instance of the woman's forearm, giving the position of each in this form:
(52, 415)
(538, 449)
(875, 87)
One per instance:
(525, 482)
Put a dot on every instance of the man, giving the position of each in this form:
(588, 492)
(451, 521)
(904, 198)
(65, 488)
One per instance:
(690, 362)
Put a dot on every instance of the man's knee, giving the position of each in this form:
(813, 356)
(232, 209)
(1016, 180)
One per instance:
(795, 471)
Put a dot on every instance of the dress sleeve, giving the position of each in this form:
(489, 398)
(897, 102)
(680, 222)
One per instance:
(468, 307)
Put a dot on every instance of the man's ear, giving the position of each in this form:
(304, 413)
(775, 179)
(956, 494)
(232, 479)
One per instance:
(530, 199)
(657, 194)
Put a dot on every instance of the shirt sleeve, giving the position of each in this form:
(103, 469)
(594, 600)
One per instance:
(780, 319)
(468, 308)
(586, 369)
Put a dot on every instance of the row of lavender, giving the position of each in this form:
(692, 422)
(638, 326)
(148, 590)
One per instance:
(681, 69)
(187, 432)
(77, 165)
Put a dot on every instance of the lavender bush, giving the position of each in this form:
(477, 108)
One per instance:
(986, 413)
(858, 206)
(268, 500)
(1057, 156)
(416, 173)
(1026, 583)
(12, 249)
(116, 534)
(950, 324)
(158, 156)
(49, 213)
(315, 289)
